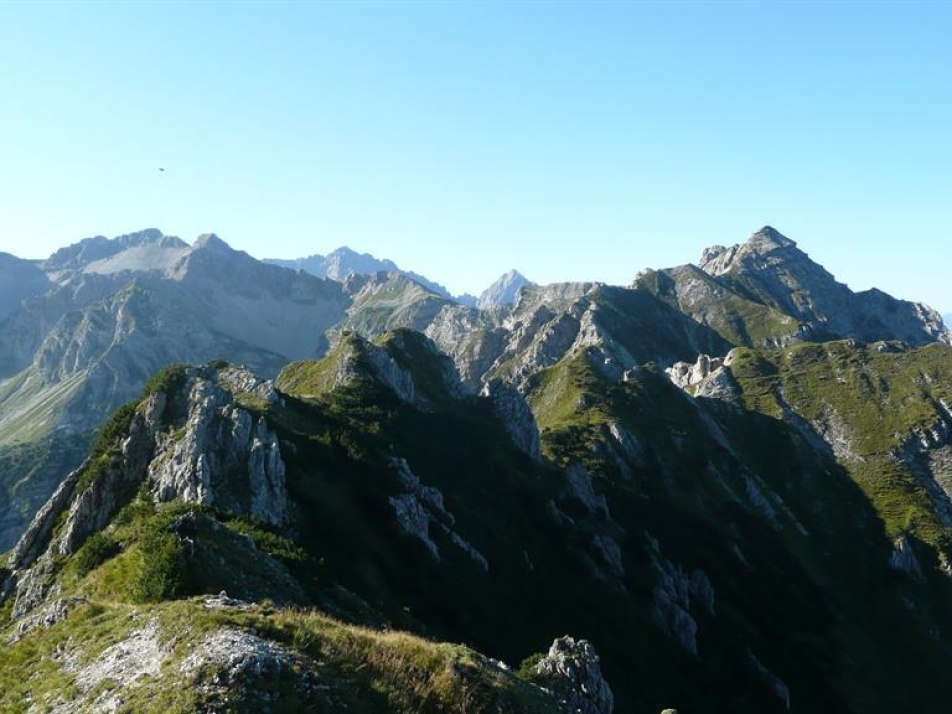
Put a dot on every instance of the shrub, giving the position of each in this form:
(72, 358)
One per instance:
(97, 549)
(167, 380)
(162, 575)
(527, 668)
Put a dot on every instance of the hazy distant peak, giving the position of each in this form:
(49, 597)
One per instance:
(344, 262)
(210, 241)
(143, 250)
(503, 291)
(19, 280)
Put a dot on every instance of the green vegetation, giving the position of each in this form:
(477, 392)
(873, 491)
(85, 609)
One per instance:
(312, 378)
(160, 576)
(794, 550)
(168, 380)
(358, 669)
(872, 402)
(97, 549)
(738, 319)
(106, 450)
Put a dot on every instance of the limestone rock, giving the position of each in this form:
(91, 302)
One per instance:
(511, 409)
(686, 375)
(419, 511)
(504, 291)
(771, 267)
(903, 558)
(580, 489)
(707, 377)
(676, 598)
(202, 462)
(776, 685)
(572, 673)
(221, 442)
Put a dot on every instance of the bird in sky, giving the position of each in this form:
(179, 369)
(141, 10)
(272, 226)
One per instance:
(162, 170)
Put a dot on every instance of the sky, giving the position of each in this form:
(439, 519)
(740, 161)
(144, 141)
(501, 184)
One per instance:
(571, 141)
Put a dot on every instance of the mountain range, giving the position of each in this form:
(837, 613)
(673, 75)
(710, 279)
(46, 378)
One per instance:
(726, 486)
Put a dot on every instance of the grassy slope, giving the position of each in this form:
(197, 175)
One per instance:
(357, 669)
(137, 570)
(823, 606)
(739, 320)
(820, 609)
(878, 398)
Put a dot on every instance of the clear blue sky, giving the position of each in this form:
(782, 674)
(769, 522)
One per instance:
(570, 141)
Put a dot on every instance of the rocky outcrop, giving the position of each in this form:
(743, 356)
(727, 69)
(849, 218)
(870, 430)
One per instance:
(927, 454)
(420, 514)
(677, 597)
(773, 271)
(708, 377)
(571, 672)
(903, 558)
(220, 444)
(776, 685)
(505, 291)
(243, 664)
(686, 375)
(512, 411)
(579, 489)
(116, 481)
(219, 456)
(37, 536)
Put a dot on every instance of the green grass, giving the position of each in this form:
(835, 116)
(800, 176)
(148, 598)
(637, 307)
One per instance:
(878, 399)
(360, 669)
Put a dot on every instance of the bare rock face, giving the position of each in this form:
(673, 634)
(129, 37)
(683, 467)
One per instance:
(772, 268)
(579, 488)
(677, 598)
(571, 672)
(505, 291)
(19, 280)
(903, 557)
(686, 375)
(776, 685)
(708, 377)
(245, 668)
(421, 514)
(218, 452)
(511, 409)
(221, 444)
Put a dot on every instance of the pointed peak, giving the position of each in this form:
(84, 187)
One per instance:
(345, 250)
(769, 237)
(717, 260)
(210, 241)
(503, 291)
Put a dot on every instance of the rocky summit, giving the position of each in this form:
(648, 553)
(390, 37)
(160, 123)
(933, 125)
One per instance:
(230, 485)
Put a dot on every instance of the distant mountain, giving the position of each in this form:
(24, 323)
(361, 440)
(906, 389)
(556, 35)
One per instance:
(734, 479)
(344, 262)
(144, 251)
(19, 280)
(768, 291)
(115, 313)
(504, 291)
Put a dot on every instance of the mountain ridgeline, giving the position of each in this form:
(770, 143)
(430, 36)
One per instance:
(726, 487)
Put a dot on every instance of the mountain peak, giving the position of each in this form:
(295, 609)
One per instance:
(769, 238)
(717, 260)
(503, 291)
(210, 241)
(87, 253)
